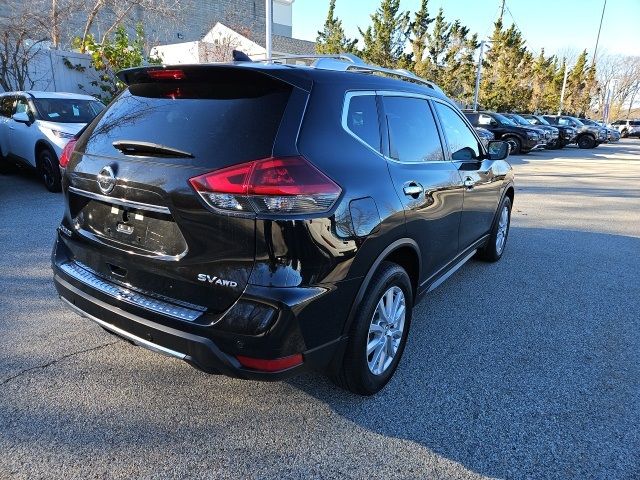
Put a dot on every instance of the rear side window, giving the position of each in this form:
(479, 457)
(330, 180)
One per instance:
(473, 118)
(362, 119)
(413, 135)
(229, 119)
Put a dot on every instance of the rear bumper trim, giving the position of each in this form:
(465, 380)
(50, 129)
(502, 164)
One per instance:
(137, 299)
(141, 342)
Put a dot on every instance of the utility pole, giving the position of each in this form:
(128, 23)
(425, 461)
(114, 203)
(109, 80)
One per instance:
(595, 50)
(564, 86)
(268, 23)
(478, 72)
(502, 9)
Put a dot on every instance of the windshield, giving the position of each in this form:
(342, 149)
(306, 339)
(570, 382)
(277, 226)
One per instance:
(503, 120)
(537, 121)
(67, 110)
(519, 120)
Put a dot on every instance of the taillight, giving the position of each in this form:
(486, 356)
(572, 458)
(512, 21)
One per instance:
(288, 185)
(270, 365)
(66, 153)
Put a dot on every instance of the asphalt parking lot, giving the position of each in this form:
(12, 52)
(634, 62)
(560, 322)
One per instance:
(528, 368)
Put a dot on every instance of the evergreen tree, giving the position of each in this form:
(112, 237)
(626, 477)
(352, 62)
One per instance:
(545, 92)
(457, 77)
(332, 38)
(581, 84)
(438, 43)
(506, 83)
(420, 38)
(385, 39)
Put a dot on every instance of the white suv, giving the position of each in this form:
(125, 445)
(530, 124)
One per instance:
(35, 127)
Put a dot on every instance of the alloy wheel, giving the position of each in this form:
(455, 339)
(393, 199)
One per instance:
(503, 229)
(385, 330)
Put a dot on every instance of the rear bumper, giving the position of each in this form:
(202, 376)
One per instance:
(198, 351)
(205, 347)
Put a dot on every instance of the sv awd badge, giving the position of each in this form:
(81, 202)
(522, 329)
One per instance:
(216, 281)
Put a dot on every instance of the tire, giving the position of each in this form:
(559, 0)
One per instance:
(624, 133)
(357, 372)
(494, 248)
(515, 144)
(49, 170)
(586, 141)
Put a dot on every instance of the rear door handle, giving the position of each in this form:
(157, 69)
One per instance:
(413, 189)
(469, 183)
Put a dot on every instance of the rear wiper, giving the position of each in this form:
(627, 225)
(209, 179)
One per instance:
(148, 149)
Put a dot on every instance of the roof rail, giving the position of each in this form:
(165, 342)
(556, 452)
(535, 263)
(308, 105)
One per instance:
(344, 62)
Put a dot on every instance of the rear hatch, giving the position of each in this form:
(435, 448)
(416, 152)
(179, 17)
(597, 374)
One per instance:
(137, 219)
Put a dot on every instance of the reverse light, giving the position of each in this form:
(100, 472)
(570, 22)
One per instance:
(288, 185)
(66, 153)
(270, 365)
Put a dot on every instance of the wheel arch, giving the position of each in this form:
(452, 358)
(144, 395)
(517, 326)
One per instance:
(404, 252)
(42, 145)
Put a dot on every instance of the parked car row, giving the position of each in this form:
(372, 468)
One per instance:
(527, 132)
(36, 126)
(627, 128)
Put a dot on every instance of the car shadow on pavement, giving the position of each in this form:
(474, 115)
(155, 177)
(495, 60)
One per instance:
(528, 368)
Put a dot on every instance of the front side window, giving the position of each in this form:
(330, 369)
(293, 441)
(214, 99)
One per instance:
(21, 106)
(413, 135)
(362, 119)
(462, 142)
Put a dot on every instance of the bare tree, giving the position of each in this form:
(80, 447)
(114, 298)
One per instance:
(119, 12)
(619, 81)
(22, 34)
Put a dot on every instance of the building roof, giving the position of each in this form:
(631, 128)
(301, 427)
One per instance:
(292, 46)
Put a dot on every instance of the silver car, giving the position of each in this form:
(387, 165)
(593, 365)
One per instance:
(35, 127)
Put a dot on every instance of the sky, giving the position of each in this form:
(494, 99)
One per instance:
(563, 27)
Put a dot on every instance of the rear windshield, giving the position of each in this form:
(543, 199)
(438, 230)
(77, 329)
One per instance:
(217, 122)
(66, 110)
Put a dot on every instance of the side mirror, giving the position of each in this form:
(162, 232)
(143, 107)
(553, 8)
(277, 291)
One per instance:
(22, 117)
(498, 150)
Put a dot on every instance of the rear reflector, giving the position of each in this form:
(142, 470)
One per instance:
(289, 185)
(166, 74)
(273, 365)
(66, 153)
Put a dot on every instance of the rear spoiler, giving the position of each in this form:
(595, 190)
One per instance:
(215, 72)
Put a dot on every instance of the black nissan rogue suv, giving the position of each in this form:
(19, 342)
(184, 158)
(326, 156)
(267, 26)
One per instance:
(257, 220)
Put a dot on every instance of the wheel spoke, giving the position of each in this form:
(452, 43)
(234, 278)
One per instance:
(373, 344)
(389, 304)
(381, 358)
(376, 329)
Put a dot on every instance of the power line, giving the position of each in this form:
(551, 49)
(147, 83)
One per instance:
(512, 18)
